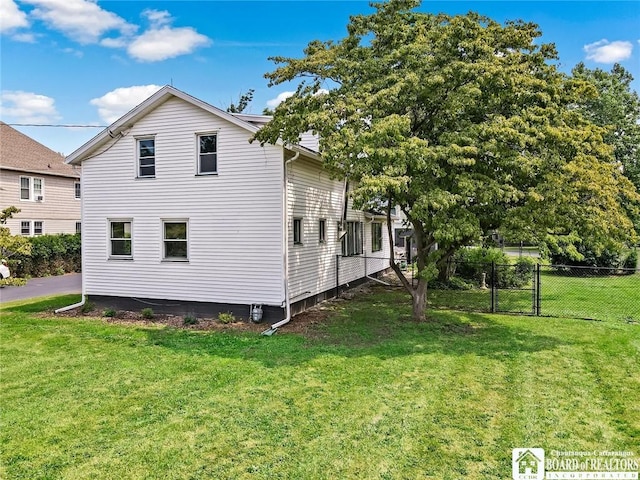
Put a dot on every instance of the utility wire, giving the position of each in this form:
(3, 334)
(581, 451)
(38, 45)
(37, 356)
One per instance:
(55, 125)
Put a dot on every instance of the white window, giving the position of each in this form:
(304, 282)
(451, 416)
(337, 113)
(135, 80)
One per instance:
(25, 227)
(352, 241)
(207, 153)
(120, 239)
(32, 188)
(322, 230)
(297, 231)
(25, 188)
(38, 227)
(376, 236)
(146, 148)
(175, 239)
(78, 191)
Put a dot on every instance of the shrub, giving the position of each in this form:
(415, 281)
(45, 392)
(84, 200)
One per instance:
(50, 255)
(88, 307)
(471, 263)
(109, 312)
(226, 317)
(147, 313)
(12, 282)
(632, 260)
(189, 320)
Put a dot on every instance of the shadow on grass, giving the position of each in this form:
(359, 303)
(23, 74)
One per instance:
(378, 324)
(42, 304)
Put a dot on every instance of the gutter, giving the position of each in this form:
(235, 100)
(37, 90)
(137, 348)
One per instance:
(285, 252)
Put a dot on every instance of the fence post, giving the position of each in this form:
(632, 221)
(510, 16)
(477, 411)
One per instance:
(337, 275)
(538, 290)
(493, 287)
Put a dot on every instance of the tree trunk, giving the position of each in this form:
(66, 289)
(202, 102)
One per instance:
(419, 296)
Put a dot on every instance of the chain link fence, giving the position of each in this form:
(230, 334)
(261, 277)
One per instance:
(525, 287)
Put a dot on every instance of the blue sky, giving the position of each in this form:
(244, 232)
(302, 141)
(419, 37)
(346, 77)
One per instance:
(83, 62)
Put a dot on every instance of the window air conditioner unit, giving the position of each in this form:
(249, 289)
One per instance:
(39, 198)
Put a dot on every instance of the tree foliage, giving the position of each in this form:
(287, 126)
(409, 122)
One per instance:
(617, 109)
(243, 102)
(462, 122)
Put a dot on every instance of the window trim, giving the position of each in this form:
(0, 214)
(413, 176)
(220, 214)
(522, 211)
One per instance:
(352, 242)
(138, 158)
(165, 258)
(199, 171)
(31, 189)
(298, 232)
(322, 231)
(111, 238)
(374, 244)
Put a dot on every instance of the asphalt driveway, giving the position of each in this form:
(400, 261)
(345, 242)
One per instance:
(40, 287)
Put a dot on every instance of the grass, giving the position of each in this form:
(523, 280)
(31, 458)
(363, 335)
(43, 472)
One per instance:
(607, 298)
(367, 394)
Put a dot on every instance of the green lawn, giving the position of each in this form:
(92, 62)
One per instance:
(366, 394)
(607, 298)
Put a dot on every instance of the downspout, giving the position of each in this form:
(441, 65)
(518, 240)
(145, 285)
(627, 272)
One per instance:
(84, 296)
(285, 251)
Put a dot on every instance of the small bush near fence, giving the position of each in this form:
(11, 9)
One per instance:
(50, 255)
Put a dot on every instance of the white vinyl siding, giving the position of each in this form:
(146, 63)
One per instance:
(313, 195)
(234, 218)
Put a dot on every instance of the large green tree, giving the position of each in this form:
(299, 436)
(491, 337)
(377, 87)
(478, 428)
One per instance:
(462, 122)
(617, 108)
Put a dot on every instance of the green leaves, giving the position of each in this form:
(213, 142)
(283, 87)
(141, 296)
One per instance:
(463, 122)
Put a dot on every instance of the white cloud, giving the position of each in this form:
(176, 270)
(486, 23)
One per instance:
(24, 37)
(11, 17)
(274, 102)
(114, 104)
(81, 20)
(161, 41)
(28, 107)
(604, 51)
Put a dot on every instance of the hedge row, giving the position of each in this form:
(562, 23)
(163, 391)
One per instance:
(50, 255)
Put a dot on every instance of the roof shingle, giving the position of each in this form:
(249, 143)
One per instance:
(22, 153)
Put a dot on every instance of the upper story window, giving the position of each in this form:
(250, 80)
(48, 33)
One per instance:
(78, 191)
(120, 238)
(146, 157)
(376, 236)
(207, 153)
(175, 239)
(32, 188)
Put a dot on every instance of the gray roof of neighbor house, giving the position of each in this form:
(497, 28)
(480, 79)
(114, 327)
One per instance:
(23, 154)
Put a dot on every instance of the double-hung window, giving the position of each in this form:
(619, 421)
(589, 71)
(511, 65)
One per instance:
(352, 241)
(207, 153)
(376, 236)
(146, 157)
(120, 239)
(38, 227)
(175, 240)
(78, 190)
(31, 188)
(25, 227)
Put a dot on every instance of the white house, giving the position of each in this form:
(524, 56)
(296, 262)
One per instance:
(181, 213)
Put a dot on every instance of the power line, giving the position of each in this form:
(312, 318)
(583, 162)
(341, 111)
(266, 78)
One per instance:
(55, 125)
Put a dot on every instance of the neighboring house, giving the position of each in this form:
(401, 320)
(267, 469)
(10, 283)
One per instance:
(36, 180)
(181, 213)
